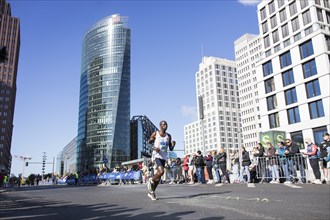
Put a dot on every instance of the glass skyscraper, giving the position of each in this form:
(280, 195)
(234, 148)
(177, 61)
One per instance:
(104, 107)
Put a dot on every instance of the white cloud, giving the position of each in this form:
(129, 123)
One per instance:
(249, 2)
(189, 111)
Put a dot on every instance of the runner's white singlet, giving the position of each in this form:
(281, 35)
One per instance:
(162, 143)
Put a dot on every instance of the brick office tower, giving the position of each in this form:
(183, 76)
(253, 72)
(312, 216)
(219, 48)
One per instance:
(10, 44)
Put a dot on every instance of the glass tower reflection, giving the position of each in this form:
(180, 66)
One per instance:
(104, 105)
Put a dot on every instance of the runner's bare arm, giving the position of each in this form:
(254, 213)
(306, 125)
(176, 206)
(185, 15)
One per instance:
(171, 143)
(152, 140)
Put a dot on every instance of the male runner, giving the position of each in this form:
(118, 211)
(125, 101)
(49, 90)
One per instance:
(162, 141)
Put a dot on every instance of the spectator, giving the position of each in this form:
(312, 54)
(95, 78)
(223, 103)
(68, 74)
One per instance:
(283, 161)
(311, 151)
(191, 171)
(174, 169)
(261, 162)
(273, 163)
(245, 165)
(221, 158)
(185, 166)
(235, 163)
(200, 164)
(294, 157)
(179, 177)
(216, 167)
(208, 163)
(325, 155)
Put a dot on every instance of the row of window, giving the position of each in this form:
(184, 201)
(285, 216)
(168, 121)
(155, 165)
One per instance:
(312, 90)
(309, 69)
(315, 111)
(295, 25)
(305, 49)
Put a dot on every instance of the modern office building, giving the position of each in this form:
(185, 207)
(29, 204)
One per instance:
(217, 98)
(10, 44)
(294, 73)
(66, 160)
(141, 130)
(104, 108)
(248, 50)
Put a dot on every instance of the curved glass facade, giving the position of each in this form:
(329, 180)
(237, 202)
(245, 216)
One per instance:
(104, 105)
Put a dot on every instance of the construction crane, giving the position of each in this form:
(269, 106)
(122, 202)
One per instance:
(24, 159)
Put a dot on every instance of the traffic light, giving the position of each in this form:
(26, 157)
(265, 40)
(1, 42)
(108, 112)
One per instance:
(26, 164)
(3, 54)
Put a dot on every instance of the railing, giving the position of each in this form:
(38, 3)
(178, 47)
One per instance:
(281, 167)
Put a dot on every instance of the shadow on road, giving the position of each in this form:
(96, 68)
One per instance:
(20, 207)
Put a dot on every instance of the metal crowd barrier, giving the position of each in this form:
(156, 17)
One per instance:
(290, 168)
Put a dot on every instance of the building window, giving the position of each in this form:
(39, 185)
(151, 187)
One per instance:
(271, 102)
(267, 68)
(318, 134)
(285, 30)
(280, 3)
(313, 88)
(298, 139)
(327, 40)
(303, 3)
(287, 77)
(283, 15)
(316, 109)
(293, 8)
(318, 2)
(274, 120)
(286, 42)
(306, 17)
(295, 24)
(277, 48)
(293, 115)
(319, 15)
(264, 27)
(269, 85)
(297, 37)
(275, 37)
(271, 7)
(290, 96)
(306, 49)
(273, 21)
(263, 13)
(326, 3)
(309, 69)
(266, 41)
(285, 59)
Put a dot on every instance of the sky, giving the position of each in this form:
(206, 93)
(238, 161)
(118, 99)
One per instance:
(168, 41)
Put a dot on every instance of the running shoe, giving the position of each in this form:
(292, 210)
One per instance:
(150, 185)
(152, 196)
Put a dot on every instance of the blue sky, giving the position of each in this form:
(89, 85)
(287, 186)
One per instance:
(166, 42)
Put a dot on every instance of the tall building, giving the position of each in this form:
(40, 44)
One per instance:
(104, 108)
(294, 73)
(67, 158)
(217, 98)
(248, 51)
(10, 42)
(141, 130)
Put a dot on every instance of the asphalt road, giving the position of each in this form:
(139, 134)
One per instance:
(227, 201)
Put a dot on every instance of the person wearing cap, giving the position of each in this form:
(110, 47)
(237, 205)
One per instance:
(324, 148)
